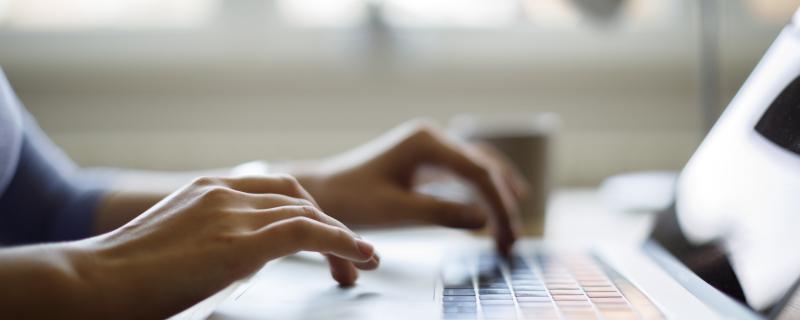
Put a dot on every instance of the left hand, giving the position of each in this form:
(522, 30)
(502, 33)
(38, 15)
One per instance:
(373, 185)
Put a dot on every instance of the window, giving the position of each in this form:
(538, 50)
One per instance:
(83, 14)
(138, 14)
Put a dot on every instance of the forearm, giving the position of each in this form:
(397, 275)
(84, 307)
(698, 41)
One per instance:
(94, 278)
(43, 281)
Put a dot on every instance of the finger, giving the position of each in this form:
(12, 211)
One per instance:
(273, 200)
(304, 234)
(371, 264)
(489, 182)
(442, 212)
(261, 218)
(273, 183)
(342, 270)
(264, 217)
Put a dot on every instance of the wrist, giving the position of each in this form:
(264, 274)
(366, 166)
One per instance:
(115, 278)
(93, 277)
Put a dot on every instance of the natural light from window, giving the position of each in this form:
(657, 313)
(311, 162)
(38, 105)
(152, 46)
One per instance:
(71, 15)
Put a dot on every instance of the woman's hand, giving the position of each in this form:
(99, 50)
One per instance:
(374, 184)
(206, 235)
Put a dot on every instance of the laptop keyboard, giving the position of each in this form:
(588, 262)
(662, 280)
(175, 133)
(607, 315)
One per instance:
(540, 286)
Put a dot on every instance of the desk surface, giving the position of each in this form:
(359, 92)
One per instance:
(575, 217)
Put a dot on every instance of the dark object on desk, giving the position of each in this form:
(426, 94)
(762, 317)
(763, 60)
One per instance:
(709, 261)
(781, 122)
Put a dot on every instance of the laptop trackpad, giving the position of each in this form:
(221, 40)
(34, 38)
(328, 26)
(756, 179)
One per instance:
(300, 287)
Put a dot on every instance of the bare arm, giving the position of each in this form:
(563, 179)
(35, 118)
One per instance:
(45, 274)
(135, 191)
(369, 186)
(191, 244)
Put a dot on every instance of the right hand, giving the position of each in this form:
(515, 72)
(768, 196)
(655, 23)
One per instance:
(208, 234)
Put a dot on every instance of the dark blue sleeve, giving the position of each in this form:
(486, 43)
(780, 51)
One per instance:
(49, 198)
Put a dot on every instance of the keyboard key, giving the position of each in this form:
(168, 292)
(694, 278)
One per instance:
(563, 286)
(573, 304)
(459, 292)
(524, 276)
(495, 285)
(497, 303)
(518, 262)
(531, 293)
(603, 294)
(533, 299)
(552, 282)
(592, 277)
(490, 275)
(471, 309)
(595, 283)
(494, 291)
(609, 301)
(459, 286)
(526, 283)
(599, 289)
(566, 292)
(458, 298)
(529, 288)
(563, 297)
(545, 286)
(538, 308)
(496, 297)
(459, 304)
(542, 305)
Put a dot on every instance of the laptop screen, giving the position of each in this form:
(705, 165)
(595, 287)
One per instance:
(736, 220)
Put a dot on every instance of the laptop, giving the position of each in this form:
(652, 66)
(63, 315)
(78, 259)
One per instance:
(727, 248)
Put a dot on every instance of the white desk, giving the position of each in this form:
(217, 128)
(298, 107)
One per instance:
(580, 217)
(575, 217)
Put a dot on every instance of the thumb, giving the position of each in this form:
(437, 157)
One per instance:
(447, 213)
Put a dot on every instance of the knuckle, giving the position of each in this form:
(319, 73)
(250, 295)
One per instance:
(309, 211)
(298, 228)
(342, 234)
(423, 129)
(288, 180)
(206, 181)
(217, 194)
(303, 202)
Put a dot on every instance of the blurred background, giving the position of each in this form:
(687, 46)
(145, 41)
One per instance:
(189, 84)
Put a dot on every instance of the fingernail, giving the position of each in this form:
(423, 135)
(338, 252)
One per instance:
(365, 248)
(376, 259)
